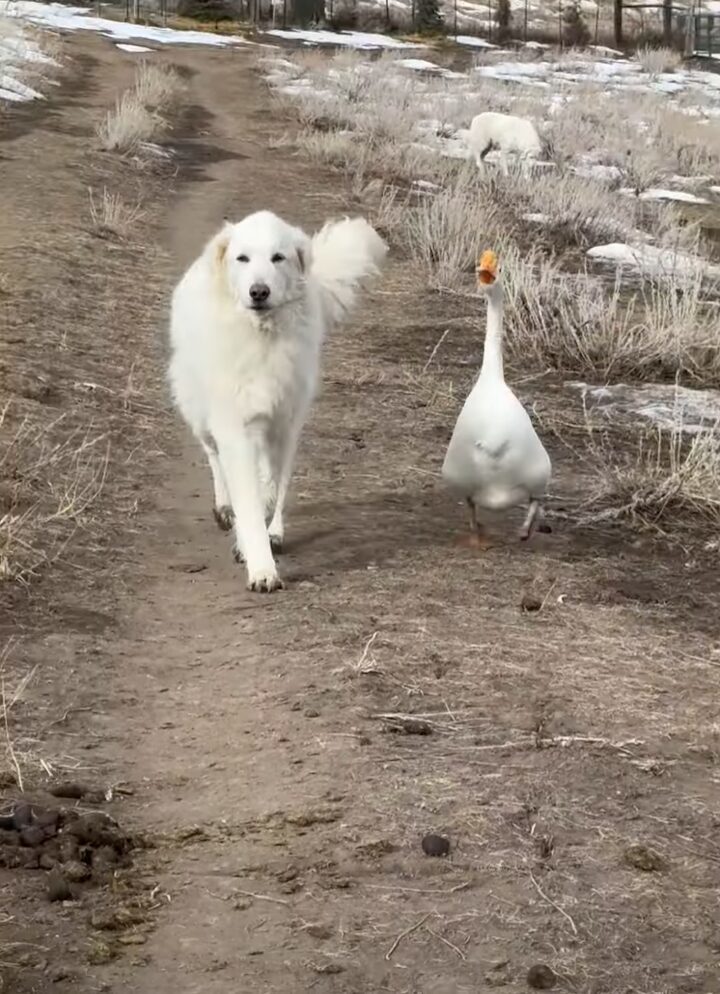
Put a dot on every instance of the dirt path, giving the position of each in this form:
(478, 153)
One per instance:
(289, 812)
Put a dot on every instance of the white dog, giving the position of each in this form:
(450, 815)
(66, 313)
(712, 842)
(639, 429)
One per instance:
(248, 319)
(511, 135)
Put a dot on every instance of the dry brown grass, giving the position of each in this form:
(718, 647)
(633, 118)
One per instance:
(659, 60)
(157, 87)
(139, 115)
(111, 215)
(571, 322)
(577, 211)
(77, 389)
(129, 124)
(642, 135)
(50, 480)
(665, 476)
(445, 232)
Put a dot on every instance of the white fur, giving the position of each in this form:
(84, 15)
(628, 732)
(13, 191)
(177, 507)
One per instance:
(511, 135)
(244, 378)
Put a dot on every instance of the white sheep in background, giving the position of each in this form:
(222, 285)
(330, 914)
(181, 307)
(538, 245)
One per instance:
(511, 135)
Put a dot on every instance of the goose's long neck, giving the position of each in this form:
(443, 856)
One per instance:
(492, 363)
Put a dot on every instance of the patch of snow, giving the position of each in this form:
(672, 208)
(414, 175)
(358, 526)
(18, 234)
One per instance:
(453, 148)
(599, 172)
(690, 181)
(431, 125)
(133, 48)
(279, 63)
(55, 15)
(515, 69)
(666, 85)
(12, 89)
(345, 39)
(422, 65)
(473, 42)
(20, 49)
(604, 50)
(16, 51)
(303, 86)
(651, 260)
(527, 73)
(157, 150)
(423, 190)
(682, 196)
(669, 406)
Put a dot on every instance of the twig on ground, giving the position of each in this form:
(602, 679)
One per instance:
(435, 350)
(68, 712)
(553, 904)
(406, 933)
(262, 897)
(566, 740)
(362, 666)
(419, 890)
(447, 942)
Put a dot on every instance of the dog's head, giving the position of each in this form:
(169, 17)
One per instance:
(261, 261)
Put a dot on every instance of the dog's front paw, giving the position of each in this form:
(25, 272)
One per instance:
(224, 517)
(264, 581)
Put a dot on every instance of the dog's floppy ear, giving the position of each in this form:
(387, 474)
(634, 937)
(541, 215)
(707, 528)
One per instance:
(218, 244)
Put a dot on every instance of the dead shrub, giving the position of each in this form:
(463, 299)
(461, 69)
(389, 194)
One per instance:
(658, 60)
(137, 117)
(667, 474)
(50, 481)
(111, 215)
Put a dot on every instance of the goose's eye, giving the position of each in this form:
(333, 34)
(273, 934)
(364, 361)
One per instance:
(278, 257)
(243, 258)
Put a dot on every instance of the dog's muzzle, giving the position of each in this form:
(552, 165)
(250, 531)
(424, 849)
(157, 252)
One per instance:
(259, 296)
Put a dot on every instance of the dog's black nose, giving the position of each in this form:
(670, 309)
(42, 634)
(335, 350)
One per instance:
(259, 293)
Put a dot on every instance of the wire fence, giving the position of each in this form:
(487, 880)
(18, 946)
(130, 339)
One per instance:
(569, 26)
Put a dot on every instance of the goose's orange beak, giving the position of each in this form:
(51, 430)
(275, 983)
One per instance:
(487, 268)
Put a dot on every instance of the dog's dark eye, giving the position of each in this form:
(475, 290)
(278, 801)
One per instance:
(278, 257)
(243, 258)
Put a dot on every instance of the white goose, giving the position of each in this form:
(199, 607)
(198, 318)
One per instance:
(495, 459)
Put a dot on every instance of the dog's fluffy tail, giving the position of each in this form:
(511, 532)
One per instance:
(343, 254)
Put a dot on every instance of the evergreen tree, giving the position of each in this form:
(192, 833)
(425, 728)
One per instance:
(207, 11)
(503, 19)
(575, 30)
(428, 16)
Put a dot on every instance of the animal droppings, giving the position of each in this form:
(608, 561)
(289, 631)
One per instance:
(642, 858)
(541, 977)
(435, 845)
(530, 604)
(69, 789)
(58, 889)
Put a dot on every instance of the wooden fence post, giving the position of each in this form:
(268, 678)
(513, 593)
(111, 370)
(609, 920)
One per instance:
(667, 22)
(690, 32)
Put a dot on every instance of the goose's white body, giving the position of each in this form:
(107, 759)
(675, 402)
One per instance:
(495, 459)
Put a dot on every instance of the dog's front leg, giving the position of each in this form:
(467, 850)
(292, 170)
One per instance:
(276, 527)
(238, 458)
